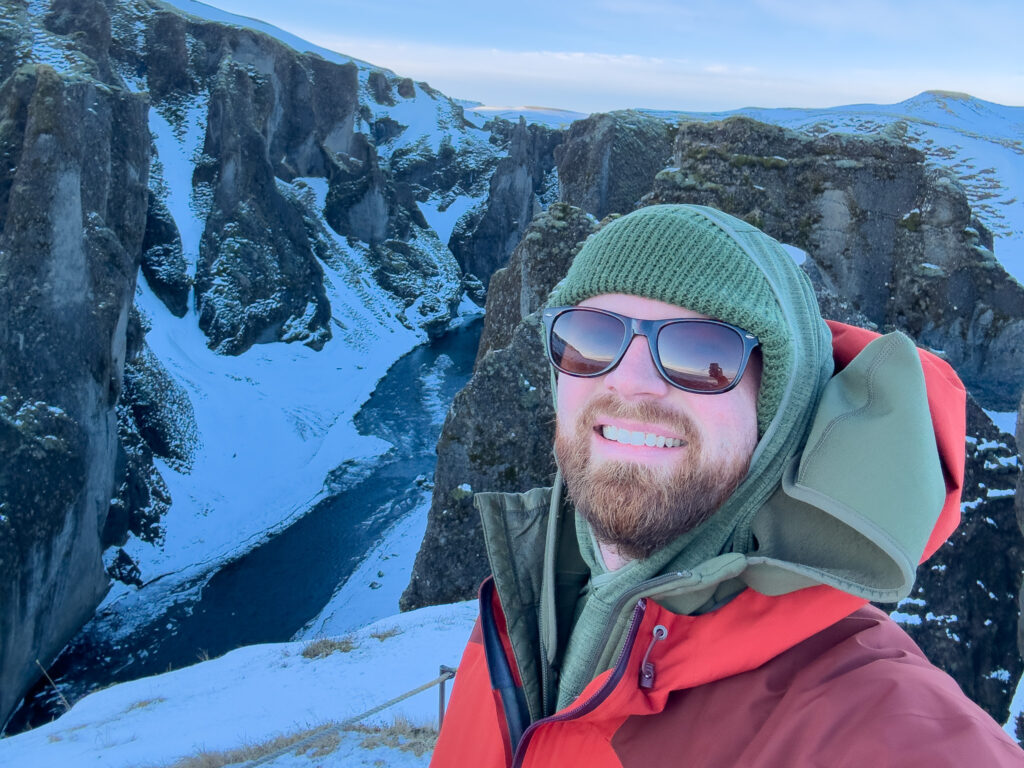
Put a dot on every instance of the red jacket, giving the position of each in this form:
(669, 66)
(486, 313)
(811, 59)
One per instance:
(811, 678)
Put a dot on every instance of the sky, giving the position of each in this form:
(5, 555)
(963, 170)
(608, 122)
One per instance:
(615, 54)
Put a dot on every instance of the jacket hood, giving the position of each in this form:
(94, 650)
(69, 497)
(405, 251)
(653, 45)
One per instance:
(873, 493)
(876, 488)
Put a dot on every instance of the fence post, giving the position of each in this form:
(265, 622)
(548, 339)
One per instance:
(446, 674)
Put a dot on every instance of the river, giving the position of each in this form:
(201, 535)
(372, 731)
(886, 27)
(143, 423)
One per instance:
(270, 592)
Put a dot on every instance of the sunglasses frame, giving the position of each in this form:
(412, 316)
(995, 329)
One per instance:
(649, 329)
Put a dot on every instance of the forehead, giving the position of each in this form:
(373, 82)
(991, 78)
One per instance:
(639, 307)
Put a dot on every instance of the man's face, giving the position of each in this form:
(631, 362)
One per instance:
(638, 498)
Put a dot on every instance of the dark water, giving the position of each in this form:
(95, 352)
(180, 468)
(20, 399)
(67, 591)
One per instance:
(272, 591)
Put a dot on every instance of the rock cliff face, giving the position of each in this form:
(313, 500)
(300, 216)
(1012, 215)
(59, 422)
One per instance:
(891, 236)
(258, 279)
(154, 418)
(1018, 510)
(219, 160)
(963, 609)
(522, 184)
(608, 161)
(73, 213)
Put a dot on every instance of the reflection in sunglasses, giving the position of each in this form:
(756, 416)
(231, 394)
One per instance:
(698, 355)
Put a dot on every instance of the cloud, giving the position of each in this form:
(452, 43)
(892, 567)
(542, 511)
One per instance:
(589, 81)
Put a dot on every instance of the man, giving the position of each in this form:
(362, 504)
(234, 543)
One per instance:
(744, 478)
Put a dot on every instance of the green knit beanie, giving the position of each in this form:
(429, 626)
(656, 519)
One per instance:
(705, 261)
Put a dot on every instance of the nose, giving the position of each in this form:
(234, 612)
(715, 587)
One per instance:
(636, 374)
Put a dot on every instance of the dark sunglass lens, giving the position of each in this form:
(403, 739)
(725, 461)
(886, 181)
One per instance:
(700, 356)
(584, 342)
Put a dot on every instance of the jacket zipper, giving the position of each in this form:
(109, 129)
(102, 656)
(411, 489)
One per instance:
(647, 667)
(649, 587)
(598, 696)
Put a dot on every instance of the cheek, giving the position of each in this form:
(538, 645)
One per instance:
(572, 394)
(728, 423)
(738, 423)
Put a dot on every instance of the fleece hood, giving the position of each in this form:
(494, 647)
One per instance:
(762, 290)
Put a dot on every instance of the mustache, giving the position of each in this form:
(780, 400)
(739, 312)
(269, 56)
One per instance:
(607, 404)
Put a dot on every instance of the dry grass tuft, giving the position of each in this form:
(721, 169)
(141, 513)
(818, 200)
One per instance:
(401, 734)
(324, 745)
(383, 634)
(321, 747)
(325, 646)
(142, 704)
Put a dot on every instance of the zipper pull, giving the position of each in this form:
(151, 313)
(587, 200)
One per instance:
(646, 667)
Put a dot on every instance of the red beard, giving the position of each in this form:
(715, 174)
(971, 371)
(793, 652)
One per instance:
(637, 508)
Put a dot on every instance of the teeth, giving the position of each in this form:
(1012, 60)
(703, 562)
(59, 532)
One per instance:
(628, 437)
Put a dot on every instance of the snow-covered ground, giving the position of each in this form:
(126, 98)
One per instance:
(551, 117)
(1006, 421)
(255, 694)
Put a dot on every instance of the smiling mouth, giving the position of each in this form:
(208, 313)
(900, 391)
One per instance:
(629, 437)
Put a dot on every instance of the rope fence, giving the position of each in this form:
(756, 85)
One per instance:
(446, 674)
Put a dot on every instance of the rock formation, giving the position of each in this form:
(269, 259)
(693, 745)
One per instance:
(608, 161)
(154, 418)
(891, 235)
(1018, 509)
(497, 443)
(73, 213)
(963, 608)
(523, 183)
(257, 279)
(163, 262)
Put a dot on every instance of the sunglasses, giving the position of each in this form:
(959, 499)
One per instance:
(707, 357)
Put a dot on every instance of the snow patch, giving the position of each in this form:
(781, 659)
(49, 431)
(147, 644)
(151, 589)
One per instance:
(1005, 421)
(551, 117)
(799, 255)
(256, 693)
